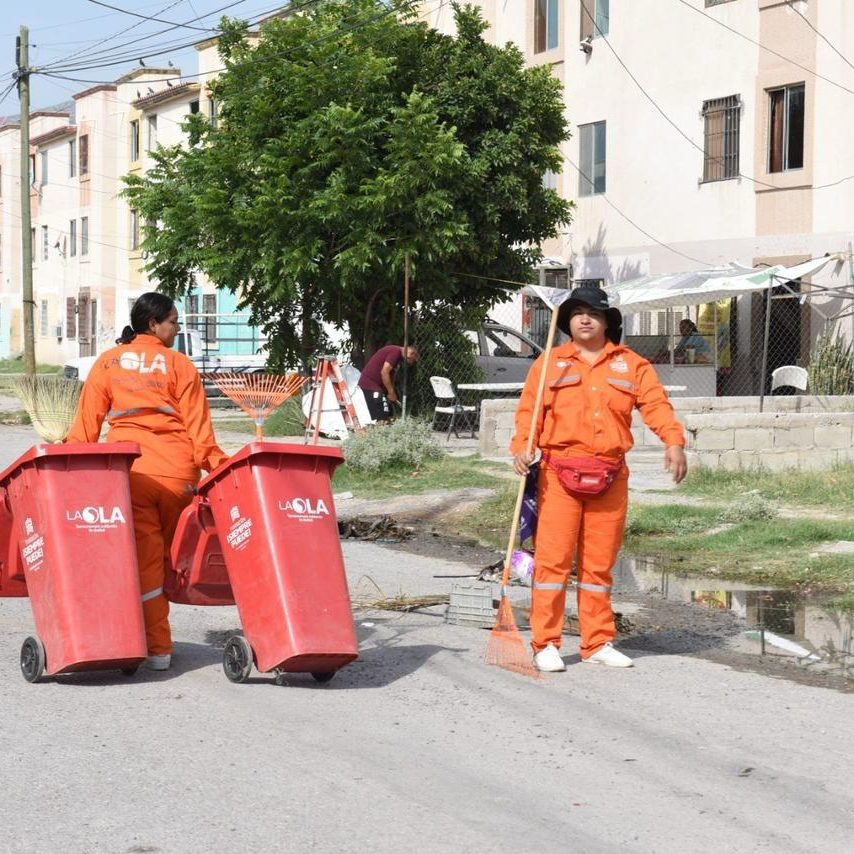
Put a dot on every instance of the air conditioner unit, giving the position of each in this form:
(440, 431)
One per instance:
(58, 331)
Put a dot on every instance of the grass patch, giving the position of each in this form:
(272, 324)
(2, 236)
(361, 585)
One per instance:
(287, 420)
(666, 519)
(16, 366)
(434, 474)
(777, 552)
(832, 489)
(490, 522)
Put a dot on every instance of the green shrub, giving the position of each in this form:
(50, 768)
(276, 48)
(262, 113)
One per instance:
(831, 368)
(750, 508)
(406, 443)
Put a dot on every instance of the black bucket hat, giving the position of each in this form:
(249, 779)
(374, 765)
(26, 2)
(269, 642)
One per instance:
(596, 298)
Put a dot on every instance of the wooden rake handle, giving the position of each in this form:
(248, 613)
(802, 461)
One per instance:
(535, 416)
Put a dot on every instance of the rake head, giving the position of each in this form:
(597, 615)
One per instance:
(258, 394)
(506, 647)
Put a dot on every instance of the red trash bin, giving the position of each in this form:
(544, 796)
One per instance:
(73, 521)
(273, 510)
(12, 581)
(196, 573)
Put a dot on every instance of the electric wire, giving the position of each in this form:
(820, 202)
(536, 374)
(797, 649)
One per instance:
(821, 36)
(761, 46)
(186, 26)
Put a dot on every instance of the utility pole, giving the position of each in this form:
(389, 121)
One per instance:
(28, 304)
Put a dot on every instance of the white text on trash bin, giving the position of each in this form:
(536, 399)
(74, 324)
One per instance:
(33, 552)
(96, 518)
(238, 536)
(304, 509)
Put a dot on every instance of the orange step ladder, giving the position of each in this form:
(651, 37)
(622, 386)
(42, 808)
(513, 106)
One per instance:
(328, 369)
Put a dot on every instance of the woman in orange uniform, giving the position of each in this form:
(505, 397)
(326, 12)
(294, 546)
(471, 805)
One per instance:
(152, 395)
(583, 433)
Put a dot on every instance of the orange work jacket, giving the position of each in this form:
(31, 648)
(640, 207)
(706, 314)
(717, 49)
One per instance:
(587, 409)
(152, 395)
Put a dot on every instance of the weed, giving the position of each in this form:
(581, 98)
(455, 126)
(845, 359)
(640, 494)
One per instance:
(403, 444)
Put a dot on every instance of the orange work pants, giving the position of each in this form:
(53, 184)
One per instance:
(157, 504)
(589, 531)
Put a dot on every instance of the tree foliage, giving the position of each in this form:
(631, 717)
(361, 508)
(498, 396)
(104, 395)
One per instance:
(350, 136)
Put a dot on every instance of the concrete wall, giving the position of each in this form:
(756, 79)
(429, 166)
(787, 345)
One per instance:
(793, 432)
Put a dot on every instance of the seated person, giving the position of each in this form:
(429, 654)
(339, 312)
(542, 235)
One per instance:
(692, 339)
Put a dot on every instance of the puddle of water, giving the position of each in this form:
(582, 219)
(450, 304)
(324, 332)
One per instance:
(777, 621)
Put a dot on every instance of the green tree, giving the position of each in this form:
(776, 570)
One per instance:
(349, 137)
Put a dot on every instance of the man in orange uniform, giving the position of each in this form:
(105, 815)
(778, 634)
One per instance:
(152, 395)
(583, 432)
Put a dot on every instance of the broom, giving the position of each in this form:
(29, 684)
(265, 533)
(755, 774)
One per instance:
(506, 648)
(51, 403)
(258, 394)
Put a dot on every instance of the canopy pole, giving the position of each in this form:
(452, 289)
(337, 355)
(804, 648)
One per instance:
(765, 344)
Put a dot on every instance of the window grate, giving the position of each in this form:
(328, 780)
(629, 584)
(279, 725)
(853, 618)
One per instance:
(722, 120)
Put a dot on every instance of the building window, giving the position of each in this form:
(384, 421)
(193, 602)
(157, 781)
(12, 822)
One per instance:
(134, 230)
(84, 235)
(549, 180)
(194, 107)
(546, 23)
(786, 128)
(43, 318)
(84, 154)
(595, 18)
(722, 120)
(716, 2)
(592, 157)
(72, 240)
(70, 317)
(134, 140)
(33, 243)
(72, 158)
(45, 240)
(213, 112)
(209, 310)
(152, 132)
(32, 169)
(43, 170)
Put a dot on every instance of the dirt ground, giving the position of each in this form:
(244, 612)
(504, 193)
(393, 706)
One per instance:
(651, 622)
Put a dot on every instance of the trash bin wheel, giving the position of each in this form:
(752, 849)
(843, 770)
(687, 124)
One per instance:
(32, 659)
(237, 659)
(323, 677)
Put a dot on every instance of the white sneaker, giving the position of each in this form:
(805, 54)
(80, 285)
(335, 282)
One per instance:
(158, 662)
(609, 656)
(548, 660)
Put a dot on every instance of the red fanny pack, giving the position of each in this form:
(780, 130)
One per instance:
(584, 476)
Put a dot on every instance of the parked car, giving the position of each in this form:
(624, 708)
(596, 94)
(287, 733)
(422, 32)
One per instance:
(503, 354)
(189, 342)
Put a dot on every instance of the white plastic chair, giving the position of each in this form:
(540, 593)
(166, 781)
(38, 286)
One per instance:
(789, 375)
(448, 404)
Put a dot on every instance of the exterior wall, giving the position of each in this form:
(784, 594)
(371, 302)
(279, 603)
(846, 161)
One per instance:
(657, 216)
(793, 431)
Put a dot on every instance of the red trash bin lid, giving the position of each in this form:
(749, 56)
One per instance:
(254, 449)
(71, 449)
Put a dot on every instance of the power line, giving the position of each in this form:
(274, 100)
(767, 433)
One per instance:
(821, 36)
(629, 220)
(766, 48)
(96, 56)
(145, 17)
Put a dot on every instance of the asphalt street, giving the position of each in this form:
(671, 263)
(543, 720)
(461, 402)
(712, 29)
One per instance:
(416, 746)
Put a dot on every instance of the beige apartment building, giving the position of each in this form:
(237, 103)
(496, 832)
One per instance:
(87, 261)
(704, 132)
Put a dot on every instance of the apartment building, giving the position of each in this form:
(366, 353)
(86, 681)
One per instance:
(703, 132)
(87, 256)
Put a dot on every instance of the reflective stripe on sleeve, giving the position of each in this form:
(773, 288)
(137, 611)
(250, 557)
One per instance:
(152, 594)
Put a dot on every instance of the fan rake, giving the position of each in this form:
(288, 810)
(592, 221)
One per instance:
(258, 394)
(51, 403)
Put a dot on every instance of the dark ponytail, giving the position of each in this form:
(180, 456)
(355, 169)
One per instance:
(150, 306)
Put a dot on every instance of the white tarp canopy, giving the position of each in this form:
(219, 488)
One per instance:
(704, 286)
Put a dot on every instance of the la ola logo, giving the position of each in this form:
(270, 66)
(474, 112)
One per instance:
(96, 516)
(137, 362)
(305, 506)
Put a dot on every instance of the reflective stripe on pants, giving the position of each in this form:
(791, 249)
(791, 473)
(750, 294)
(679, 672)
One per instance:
(589, 532)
